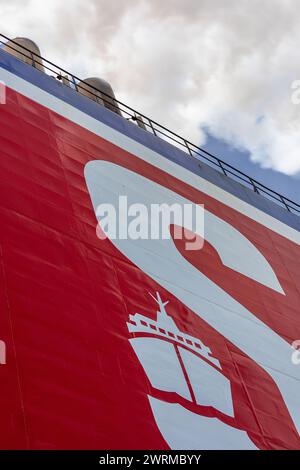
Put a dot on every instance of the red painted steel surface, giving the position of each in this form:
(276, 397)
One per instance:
(72, 379)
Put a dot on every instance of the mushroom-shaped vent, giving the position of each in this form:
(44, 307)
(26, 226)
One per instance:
(25, 50)
(99, 90)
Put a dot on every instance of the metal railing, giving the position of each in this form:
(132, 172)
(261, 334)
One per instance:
(192, 150)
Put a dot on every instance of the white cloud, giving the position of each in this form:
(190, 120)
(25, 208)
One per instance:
(225, 65)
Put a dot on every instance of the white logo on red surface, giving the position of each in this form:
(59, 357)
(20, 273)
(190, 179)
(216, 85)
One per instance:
(177, 362)
(178, 411)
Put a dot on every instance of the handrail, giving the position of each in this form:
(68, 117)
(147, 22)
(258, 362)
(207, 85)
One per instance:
(159, 130)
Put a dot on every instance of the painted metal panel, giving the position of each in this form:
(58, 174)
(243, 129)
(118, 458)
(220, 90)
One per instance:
(69, 300)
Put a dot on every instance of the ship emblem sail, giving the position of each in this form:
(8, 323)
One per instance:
(182, 364)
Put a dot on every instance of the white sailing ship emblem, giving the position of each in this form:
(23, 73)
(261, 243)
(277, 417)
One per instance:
(177, 362)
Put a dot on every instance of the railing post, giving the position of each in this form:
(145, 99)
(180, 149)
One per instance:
(151, 125)
(255, 188)
(188, 147)
(285, 203)
(221, 166)
(33, 59)
(74, 82)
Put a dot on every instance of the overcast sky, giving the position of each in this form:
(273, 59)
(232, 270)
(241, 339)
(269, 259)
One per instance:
(223, 65)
